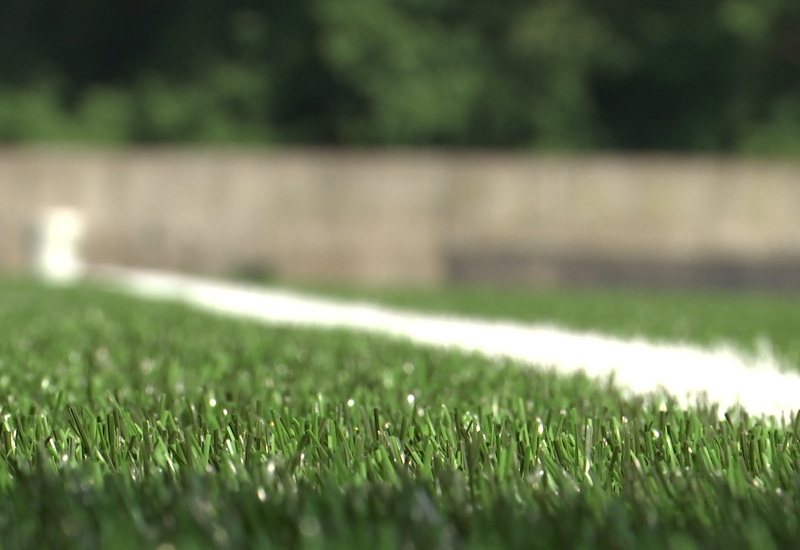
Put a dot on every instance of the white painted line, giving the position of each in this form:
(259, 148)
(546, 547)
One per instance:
(721, 375)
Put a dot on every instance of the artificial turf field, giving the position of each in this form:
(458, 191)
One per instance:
(132, 424)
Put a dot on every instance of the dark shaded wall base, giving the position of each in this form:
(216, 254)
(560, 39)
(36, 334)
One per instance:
(777, 274)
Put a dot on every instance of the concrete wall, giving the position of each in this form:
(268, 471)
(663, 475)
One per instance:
(400, 216)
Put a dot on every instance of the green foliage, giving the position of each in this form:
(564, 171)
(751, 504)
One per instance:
(419, 77)
(713, 75)
(129, 424)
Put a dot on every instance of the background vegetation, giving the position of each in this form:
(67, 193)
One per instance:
(707, 75)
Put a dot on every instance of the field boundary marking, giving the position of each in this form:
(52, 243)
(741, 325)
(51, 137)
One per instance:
(722, 374)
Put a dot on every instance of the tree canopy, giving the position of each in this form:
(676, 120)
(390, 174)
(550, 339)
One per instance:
(686, 75)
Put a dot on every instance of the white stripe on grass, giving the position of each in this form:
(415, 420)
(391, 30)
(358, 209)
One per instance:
(721, 375)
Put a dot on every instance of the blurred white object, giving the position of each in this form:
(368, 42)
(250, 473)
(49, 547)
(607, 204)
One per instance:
(57, 245)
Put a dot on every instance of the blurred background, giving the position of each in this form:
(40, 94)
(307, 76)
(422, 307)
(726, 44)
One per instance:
(397, 142)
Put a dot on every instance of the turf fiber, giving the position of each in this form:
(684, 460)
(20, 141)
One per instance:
(130, 424)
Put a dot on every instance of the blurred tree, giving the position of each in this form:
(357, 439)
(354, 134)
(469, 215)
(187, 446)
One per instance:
(552, 48)
(704, 74)
(701, 75)
(414, 69)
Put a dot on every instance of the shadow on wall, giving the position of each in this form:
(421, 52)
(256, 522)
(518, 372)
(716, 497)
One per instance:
(782, 274)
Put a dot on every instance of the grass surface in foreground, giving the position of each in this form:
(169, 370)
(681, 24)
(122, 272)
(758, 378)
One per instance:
(130, 424)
